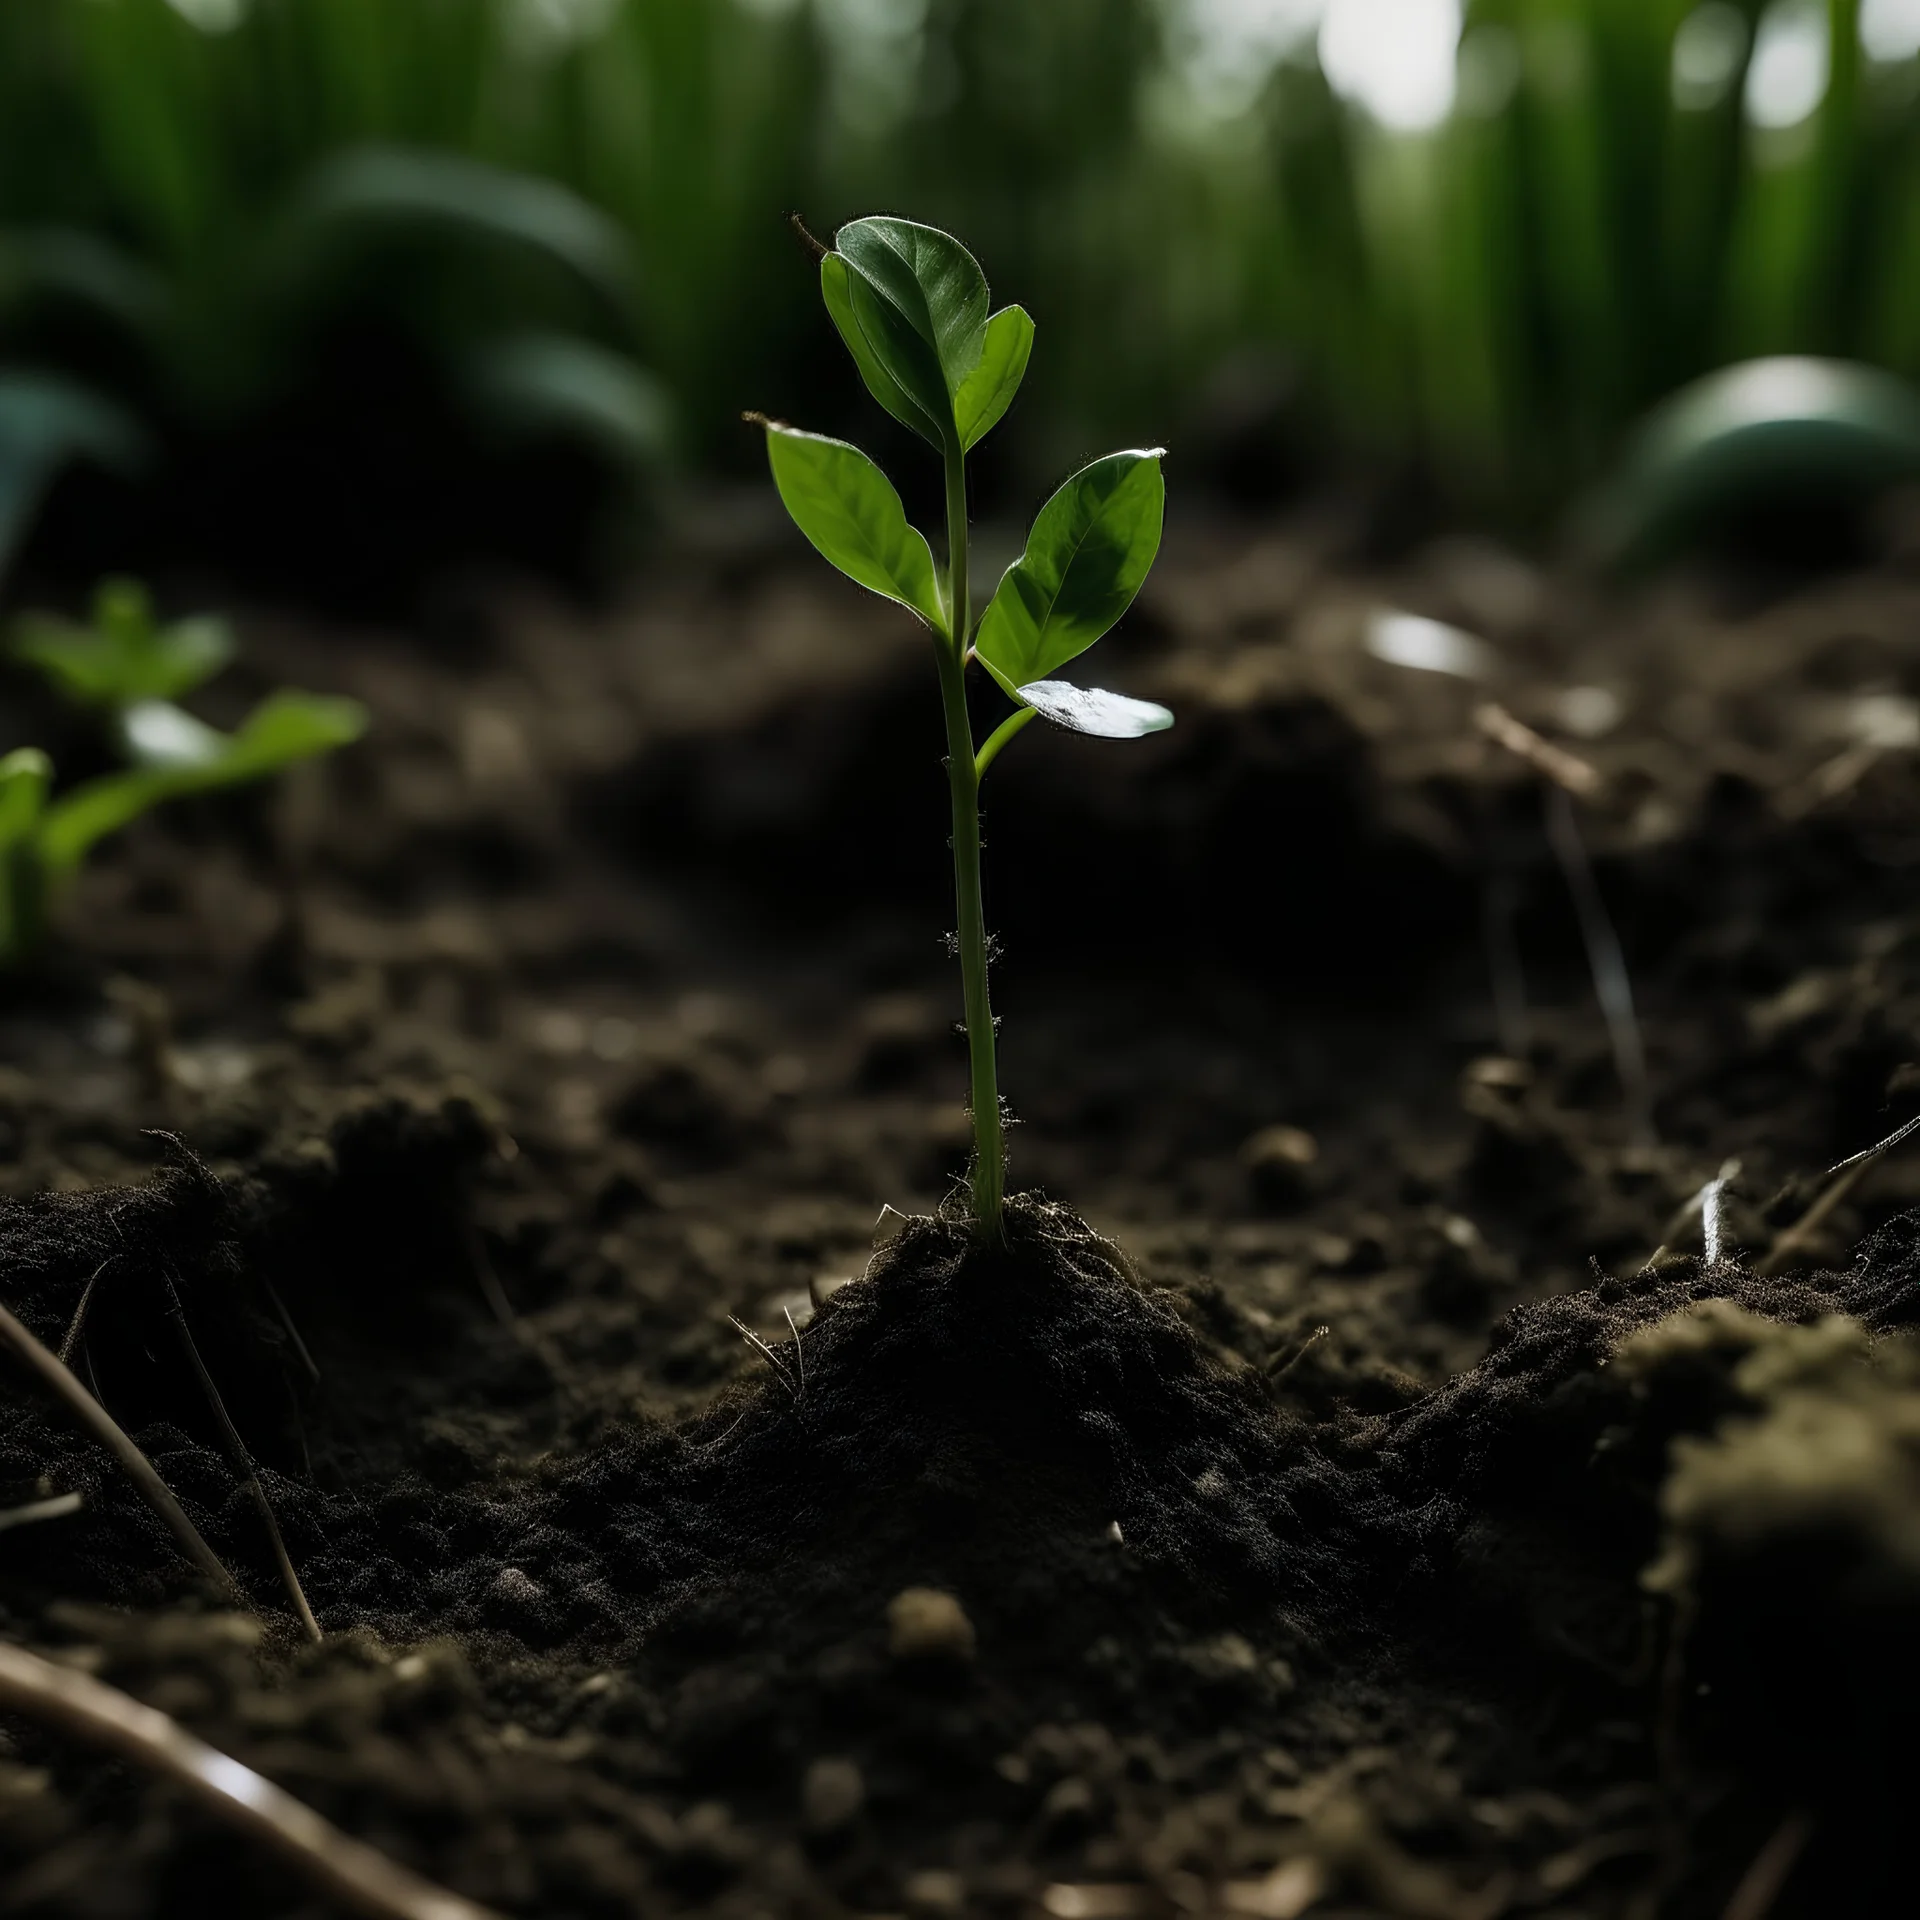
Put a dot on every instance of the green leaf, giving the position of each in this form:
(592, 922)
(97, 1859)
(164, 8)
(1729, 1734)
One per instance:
(847, 507)
(285, 727)
(123, 658)
(96, 808)
(289, 726)
(1089, 550)
(836, 290)
(187, 654)
(988, 390)
(921, 302)
(1112, 716)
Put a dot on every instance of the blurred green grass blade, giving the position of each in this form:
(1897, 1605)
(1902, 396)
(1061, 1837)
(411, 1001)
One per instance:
(371, 190)
(555, 386)
(1565, 252)
(152, 98)
(73, 269)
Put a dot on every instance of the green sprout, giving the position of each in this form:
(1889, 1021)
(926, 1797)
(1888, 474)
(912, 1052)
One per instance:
(132, 671)
(912, 307)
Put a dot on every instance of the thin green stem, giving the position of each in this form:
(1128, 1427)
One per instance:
(998, 738)
(989, 1146)
(959, 611)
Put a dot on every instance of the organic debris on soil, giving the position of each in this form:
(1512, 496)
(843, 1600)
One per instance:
(1353, 1519)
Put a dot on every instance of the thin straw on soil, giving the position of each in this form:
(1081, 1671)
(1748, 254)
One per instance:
(249, 1474)
(1762, 1884)
(1847, 1175)
(139, 1469)
(1567, 777)
(1612, 984)
(339, 1865)
(77, 1326)
(1781, 1255)
(35, 1511)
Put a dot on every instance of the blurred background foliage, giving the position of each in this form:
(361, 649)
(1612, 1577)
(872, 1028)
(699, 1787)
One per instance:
(370, 282)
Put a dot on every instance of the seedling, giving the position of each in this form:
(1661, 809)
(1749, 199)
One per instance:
(132, 672)
(911, 305)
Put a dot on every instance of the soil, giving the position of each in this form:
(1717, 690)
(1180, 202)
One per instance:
(1351, 1491)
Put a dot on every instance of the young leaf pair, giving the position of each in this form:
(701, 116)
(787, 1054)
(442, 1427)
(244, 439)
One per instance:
(912, 306)
(131, 671)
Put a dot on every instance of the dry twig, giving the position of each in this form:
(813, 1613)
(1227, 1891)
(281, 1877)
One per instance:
(344, 1868)
(1562, 769)
(1712, 1225)
(1569, 777)
(1707, 1202)
(1766, 1878)
(242, 1462)
(138, 1468)
(795, 1387)
(56, 1508)
(1612, 984)
(77, 1326)
(1850, 1172)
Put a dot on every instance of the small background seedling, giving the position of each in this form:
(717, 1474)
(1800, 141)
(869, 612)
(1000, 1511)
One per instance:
(132, 672)
(912, 306)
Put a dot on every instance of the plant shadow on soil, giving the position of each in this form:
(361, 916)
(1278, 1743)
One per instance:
(1299, 1518)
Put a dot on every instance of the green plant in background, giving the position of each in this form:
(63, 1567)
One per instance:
(1620, 196)
(1611, 198)
(912, 307)
(124, 665)
(199, 204)
(132, 672)
(1789, 433)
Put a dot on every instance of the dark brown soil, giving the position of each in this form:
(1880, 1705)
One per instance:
(1350, 1520)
